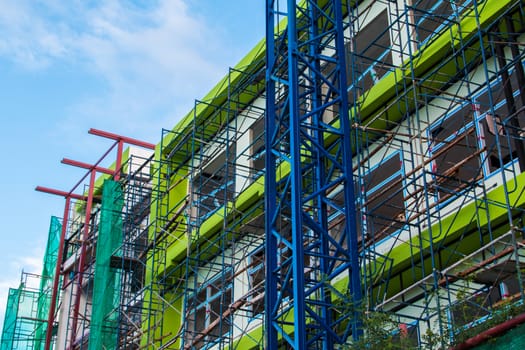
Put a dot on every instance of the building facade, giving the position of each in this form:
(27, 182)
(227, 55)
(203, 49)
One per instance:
(178, 246)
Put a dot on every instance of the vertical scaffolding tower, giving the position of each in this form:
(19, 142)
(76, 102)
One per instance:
(306, 77)
(90, 286)
(121, 305)
(22, 325)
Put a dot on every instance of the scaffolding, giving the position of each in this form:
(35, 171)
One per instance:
(89, 280)
(28, 305)
(436, 106)
(120, 292)
(455, 124)
(220, 305)
(117, 301)
(207, 220)
(435, 176)
(309, 179)
(21, 324)
(104, 326)
(373, 168)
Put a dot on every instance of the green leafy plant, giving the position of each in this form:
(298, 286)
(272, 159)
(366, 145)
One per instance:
(382, 332)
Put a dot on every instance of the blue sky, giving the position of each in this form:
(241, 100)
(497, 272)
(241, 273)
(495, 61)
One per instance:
(128, 67)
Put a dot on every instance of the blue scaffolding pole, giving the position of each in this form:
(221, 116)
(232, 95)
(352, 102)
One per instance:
(309, 181)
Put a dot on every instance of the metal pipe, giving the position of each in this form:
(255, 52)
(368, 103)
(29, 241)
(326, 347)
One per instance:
(82, 258)
(87, 166)
(60, 193)
(118, 163)
(56, 278)
(124, 139)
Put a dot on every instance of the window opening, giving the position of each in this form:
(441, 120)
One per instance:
(372, 58)
(384, 206)
(495, 126)
(406, 335)
(213, 186)
(211, 319)
(431, 16)
(256, 275)
(257, 147)
(455, 152)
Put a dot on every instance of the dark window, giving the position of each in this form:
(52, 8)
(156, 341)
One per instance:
(406, 336)
(496, 130)
(430, 16)
(368, 56)
(382, 210)
(257, 154)
(472, 307)
(368, 59)
(500, 283)
(210, 317)
(455, 152)
(213, 186)
(384, 206)
(499, 147)
(256, 274)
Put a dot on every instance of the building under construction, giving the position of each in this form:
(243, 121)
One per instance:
(355, 182)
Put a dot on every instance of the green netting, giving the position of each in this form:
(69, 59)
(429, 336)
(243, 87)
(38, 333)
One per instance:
(46, 283)
(104, 321)
(8, 332)
(512, 340)
(28, 306)
(26, 319)
(21, 319)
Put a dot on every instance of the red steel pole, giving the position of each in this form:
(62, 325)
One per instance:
(82, 258)
(61, 193)
(124, 139)
(87, 166)
(118, 163)
(89, 199)
(56, 279)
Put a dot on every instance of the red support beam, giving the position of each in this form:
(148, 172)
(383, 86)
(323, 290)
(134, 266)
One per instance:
(88, 166)
(56, 278)
(79, 276)
(93, 169)
(124, 139)
(61, 193)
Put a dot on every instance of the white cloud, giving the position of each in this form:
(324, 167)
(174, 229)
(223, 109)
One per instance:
(154, 61)
(26, 38)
